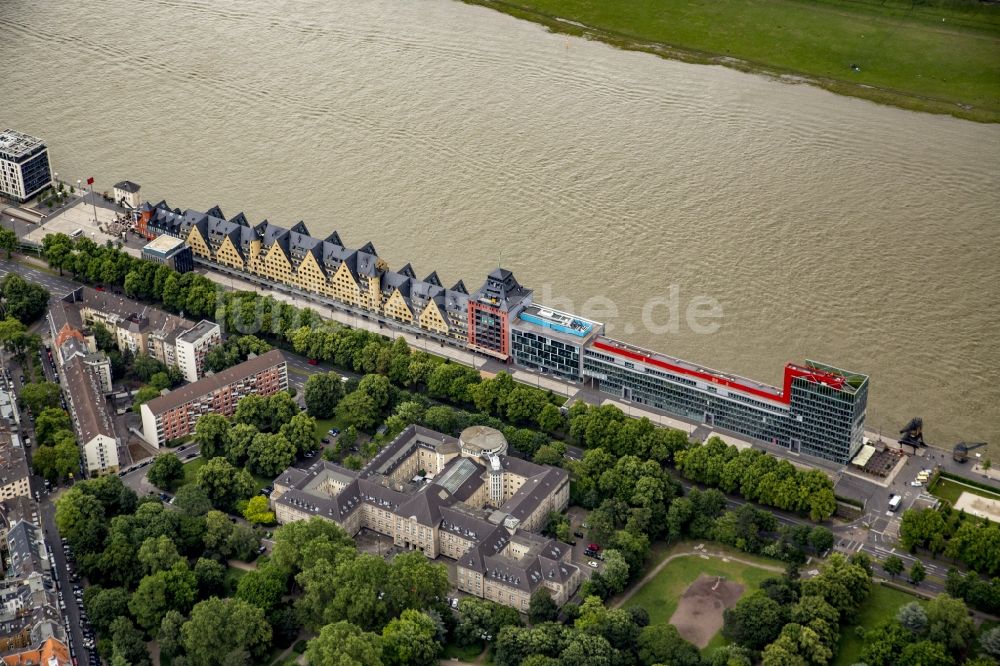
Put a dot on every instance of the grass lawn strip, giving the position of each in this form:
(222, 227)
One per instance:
(936, 59)
(880, 606)
(947, 489)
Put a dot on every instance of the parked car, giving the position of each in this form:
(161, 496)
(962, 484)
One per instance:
(333, 431)
(594, 547)
(312, 361)
(916, 484)
(592, 564)
(578, 535)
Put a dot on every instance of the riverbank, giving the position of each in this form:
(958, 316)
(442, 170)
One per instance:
(943, 60)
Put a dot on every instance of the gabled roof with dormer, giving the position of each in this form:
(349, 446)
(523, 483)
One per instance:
(392, 281)
(300, 227)
(334, 238)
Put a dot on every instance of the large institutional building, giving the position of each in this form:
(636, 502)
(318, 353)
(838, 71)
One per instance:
(24, 165)
(175, 414)
(463, 498)
(819, 410)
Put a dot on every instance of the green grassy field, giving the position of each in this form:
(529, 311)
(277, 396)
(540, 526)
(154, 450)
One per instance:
(880, 606)
(191, 474)
(660, 596)
(947, 489)
(191, 470)
(232, 579)
(942, 59)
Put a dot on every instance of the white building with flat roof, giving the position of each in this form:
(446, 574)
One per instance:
(24, 165)
(193, 345)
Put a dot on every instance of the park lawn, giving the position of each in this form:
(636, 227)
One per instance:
(880, 606)
(949, 490)
(660, 596)
(232, 579)
(191, 470)
(466, 653)
(922, 57)
(191, 475)
(323, 428)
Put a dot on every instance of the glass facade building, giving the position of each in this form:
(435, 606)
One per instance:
(820, 412)
(24, 165)
(551, 341)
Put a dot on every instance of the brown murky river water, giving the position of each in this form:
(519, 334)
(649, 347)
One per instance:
(824, 227)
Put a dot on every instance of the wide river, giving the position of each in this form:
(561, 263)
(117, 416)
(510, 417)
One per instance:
(824, 227)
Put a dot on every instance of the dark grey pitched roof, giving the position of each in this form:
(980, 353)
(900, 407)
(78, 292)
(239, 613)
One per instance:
(407, 270)
(530, 495)
(215, 211)
(300, 227)
(89, 406)
(460, 288)
(240, 219)
(368, 248)
(433, 279)
(334, 238)
(392, 281)
(502, 289)
(425, 506)
(365, 264)
(128, 186)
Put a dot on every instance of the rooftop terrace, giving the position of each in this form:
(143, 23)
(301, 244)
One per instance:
(560, 322)
(14, 144)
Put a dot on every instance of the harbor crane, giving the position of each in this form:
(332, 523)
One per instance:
(913, 433)
(961, 450)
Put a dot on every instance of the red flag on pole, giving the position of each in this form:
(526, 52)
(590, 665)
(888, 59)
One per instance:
(90, 181)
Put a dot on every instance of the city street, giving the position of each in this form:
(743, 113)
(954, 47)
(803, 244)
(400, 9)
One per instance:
(874, 534)
(47, 512)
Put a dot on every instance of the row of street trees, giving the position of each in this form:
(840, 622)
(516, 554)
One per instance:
(955, 534)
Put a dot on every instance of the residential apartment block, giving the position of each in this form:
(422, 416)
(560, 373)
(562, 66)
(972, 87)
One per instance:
(820, 412)
(175, 414)
(14, 470)
(51, 652)
(29, 611)
(136, 327)
(91, 417)
(192, 347)
(463, 499)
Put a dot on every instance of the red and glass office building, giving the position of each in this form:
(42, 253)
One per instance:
(818, 411)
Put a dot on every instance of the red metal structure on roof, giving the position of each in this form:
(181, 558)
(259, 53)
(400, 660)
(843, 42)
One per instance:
(792, 372)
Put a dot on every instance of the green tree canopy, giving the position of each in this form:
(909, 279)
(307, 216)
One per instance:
(218, 628)
(323, 391)
(166, 471)
(344, 644)
(39, 395)
(223, 483)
